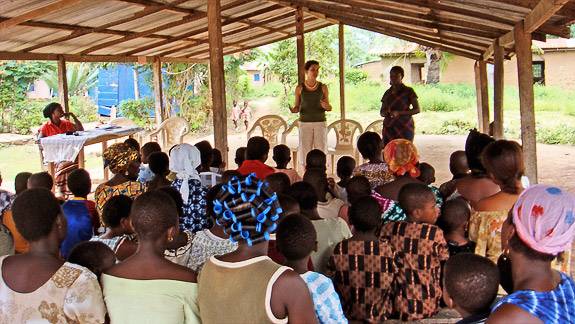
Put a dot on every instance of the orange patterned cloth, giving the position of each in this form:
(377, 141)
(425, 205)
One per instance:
(401, 157)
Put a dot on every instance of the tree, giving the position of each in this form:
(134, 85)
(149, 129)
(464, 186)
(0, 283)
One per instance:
(433, 57)
(236, 85)
(81, 78)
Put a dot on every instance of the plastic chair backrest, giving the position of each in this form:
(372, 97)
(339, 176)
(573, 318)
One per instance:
(291, 127)
(344, 133)
(270, 126)
(376, 127)
(173, 130)
(210, 179)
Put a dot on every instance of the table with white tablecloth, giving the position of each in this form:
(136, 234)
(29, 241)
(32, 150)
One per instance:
(62, 147)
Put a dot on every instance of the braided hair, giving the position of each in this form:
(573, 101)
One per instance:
(247, 210)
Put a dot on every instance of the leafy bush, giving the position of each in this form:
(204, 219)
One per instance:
(355, 76)
(445, 97)
(455, 127)
(269, 89)
(563, 134)
(138, 110)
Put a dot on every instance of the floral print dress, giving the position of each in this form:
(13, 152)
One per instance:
(195, 217)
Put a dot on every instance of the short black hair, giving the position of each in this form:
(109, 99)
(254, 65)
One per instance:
(345, 166)
(159, 163)
(426, 173)
(295, 237)
(257, 149)
(217, 160)
(454, 213)
(240, 155)
(41, 180)
(365, 214)
(50, 108)
(413, 196)
(305, 195)
(279, 182)
(471, 281)
(92, 255)
(397, 69)
(152, 214)
(21, 181)
(79, 183)
(316, 159)
(474, 146)
(34, 212)
(288, 204)
(205, 149)
(133, 143)
(309, 63)
(281, 154)
(115, 209)
(318, 180)
(150, 148)
(369, 145)
(229, 174)
(357, 187)
(176, 197)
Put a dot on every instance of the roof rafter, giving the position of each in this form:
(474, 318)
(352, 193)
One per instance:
(36, 13)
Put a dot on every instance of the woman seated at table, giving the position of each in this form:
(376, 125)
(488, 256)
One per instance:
(124, 162)
(54, 126)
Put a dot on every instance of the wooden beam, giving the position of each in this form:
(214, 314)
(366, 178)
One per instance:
(526, 100)
(36, 13)
(168, 6)
(63, 84)
(544, 10)
(300, 30)
(341, 43)
(158, 91)
(498, 90)
(90, 58)
(217, 77)
(481, 92)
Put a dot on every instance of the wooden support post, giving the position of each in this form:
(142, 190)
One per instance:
(217, 77)
(526, 100)
(498, 88)
(482, 94)
(341, 72)
(158, 92)
(299, 27)
(63, 84)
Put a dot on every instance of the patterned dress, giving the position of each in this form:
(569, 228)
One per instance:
(377, 173)
(420, 250)
(195, 218)
(104, 192)
(555, 306)
(326, 301)
(72, 295)
(395, 213)
(402, 126)
(363, 273)
(206, 245)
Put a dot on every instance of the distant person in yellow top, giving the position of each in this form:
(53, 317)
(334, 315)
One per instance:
(311, 102)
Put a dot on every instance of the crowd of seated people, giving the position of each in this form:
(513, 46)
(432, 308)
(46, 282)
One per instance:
(379, 241)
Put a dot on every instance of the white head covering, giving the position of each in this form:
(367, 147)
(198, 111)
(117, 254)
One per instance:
(184, 159)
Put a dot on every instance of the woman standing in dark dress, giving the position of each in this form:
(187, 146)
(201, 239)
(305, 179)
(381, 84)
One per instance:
(395, 108)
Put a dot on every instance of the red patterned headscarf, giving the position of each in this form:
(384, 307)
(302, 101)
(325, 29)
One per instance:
(401, 157)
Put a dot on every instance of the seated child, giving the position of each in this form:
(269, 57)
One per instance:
(282, 156)
(245, 286)
(421, 248)
(240, 156)
(316, 159)
(41, 180)
(376, 170)
(330, 231)
(119, 235)
(470, 284)
(9, 243)
(427, 173)
(364, 264)
(327, 206)
(296, 239)
(6, 198)
(159, 164)
(21, 182)
(146, 174)
(359, 186)
(96, 256)
(454, 221)
(459, 169)
(218, 165)
(344, 170)
(279, 182)
(205, 149)
(133, 143)
(256, 156)
(80, 213)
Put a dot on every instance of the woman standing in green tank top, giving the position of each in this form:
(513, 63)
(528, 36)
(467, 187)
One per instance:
(311, 102)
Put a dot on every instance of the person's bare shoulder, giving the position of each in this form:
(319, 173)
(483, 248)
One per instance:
(511, 314)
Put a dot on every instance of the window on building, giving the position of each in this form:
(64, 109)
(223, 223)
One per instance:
(539, 72)
(256, 77)
(31, 87)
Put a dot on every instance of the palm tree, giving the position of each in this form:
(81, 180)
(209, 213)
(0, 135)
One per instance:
(81, 78)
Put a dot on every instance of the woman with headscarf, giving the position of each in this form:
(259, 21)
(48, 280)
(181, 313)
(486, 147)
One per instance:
(184, 159)
(540, 226)
(403, 161)
(54, 126)
(124, 162)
